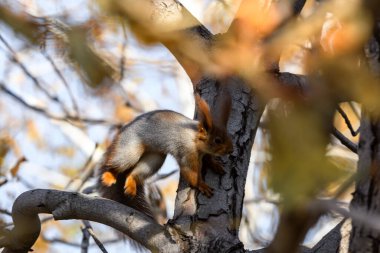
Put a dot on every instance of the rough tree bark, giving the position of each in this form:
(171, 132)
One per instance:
(366, 197)
(211, 225)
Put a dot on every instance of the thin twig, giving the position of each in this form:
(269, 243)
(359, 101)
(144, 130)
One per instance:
(3, 181)
(59, 240)
(359, 215)
(58, 72)
(33, 78)
(88, 227)
(40, 110)
(122, 58)
(345, 141)
(158, 177)
(47, 219)
(75, 244)
(347, 121)
(85, 173)
(3, 211)
(258, 200)
(85, 240)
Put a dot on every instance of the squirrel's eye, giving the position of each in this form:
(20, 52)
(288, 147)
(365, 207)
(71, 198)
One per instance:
(218, 140)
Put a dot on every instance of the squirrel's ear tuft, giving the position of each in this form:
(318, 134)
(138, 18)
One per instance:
(205, 118)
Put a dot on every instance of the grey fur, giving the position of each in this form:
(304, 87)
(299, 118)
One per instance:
(152, 136)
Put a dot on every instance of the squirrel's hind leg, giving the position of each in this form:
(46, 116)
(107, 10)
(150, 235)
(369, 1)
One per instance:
(120, 158)
(108, 178)
(148, 165)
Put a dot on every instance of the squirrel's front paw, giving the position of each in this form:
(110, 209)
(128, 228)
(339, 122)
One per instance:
(214, 164)
(205, 189)
(108, 179)
(130, 187)
(217, 167)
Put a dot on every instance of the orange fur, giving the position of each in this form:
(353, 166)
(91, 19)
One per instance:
(108, 178)
(204, 110)
(130, 186)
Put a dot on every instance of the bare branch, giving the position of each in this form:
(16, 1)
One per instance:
(85, 240)
(345, 141)
(59, 240)
(40, 110)
(348, 122)
(86, 172)
(122, 58)
(69, 205)
(14, 58)
(158, 176)
(3, 181)
(75, 244)
(359, 215)
(60, 75)
(3, 211)
(90, 232)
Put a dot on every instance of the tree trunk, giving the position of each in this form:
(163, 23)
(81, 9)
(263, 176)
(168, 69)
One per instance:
(366, 197)
(212, 224)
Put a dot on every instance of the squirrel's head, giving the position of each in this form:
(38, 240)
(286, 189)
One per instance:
(212, 138)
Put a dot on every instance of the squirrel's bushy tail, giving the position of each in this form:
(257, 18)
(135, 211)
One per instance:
(116, 192)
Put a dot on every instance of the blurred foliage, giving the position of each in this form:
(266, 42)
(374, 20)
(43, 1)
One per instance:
(299, 168)
(4, 148)
(15, 169)
(93, 68)
(21, 23)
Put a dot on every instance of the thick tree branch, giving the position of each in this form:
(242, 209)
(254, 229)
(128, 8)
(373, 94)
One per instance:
(70, 205)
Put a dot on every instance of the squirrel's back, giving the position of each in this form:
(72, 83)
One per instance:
(165, 132)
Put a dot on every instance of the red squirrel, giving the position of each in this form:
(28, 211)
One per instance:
(140, 148)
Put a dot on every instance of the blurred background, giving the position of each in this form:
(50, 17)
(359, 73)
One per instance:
(57, 117)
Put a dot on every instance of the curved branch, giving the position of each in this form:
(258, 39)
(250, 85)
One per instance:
(71, 205)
